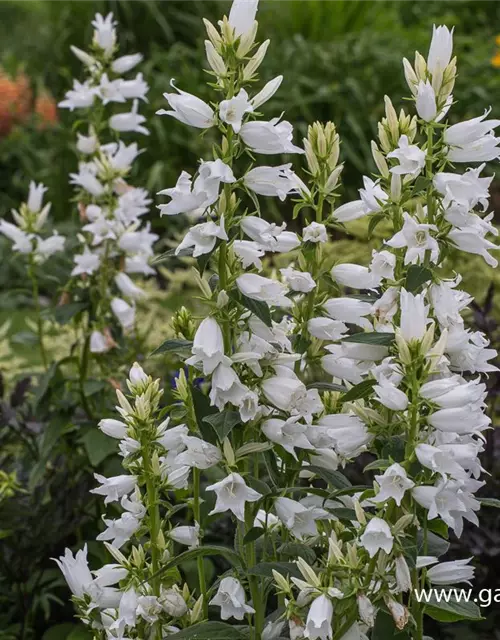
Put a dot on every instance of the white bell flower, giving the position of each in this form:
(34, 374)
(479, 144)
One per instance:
(298, 280)
(127, 287)
(203, 237)
(129, 121)
(232, 494)
(188, 109)
(263, 289)
(288, 393)
(416, 237)
(269, 137)
(249, 252)
(271, 181)
(113, 428)
(230, 597)
(114, 488)
(290, 434)
(126, 63)
(372, 195)
(426, 101)
(208, 346)
(124, 312)
(345, 432)
(105, 33)
(242, 17)
(376, 536)
(319, 619)
(297, 518)
(390, 396)
(76, 572)
(326, 329)
(414, 315)
(198, 453)
(315, 232)
(453, 572)
(267, 92)
(411, 158)
(393, 484)
(349, 310)
(440, 51)
(232, 111)
(187, 535)
(353, 275)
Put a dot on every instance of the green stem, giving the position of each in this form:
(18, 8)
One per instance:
(429, 174)
(83, 370)
(254, 582)
(36, 302)
(199, 561)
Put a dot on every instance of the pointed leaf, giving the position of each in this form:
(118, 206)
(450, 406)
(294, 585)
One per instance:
(211, 630)
(371, 337)
(361, 390)
(223, 423)
(172, 345)
(416, 276)
(258, 308)
(335, 478)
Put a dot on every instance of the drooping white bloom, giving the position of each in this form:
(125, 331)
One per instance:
(126, 63)
(298, 280)
(113, 428)
(390, 396)
(417, 238)
(289, 434)
(263, 289)
(372, 195)
(411, 158)
(351, 211)
(203, 237)
(440, 50)
(461, 420)
(319, 619)
(393, 484)
(208, 346)
(114, 488)
(271, 181)
(127, 287)
(232, 494)
(315, 232)
(452, 572)
(367, 611)
(232, 111)
(76, 572)
(124, 312)
(354, 276)
(483, 149)
(413, 315)
(230, 597)
(189, 536)
(267, 92)
(269, 236)
(403, 576)
(426, 101)
(470, 241)
(285, 391)
(99, 343)
(242, 17)
(172, 602)
(469, 131)
(80, 97)
(326, 329)
(349, 310)
(377, 535)
(269, 137)
(299, 519)
(105, 33)
(129, 121)
(346, 433)
(88, 262)
(198, 453)
(250, 253)
(22, 241)
(188, 109)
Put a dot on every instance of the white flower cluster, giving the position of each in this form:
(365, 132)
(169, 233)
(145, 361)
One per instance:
(25, 232)
(302, 377)
(115, 242)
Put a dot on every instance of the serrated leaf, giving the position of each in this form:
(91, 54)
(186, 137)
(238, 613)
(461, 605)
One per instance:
(451, 611)
(253, 534)
(361, 390)
(416, 276)
(266, 569)
(211, 630)
(172, 345)
(327, 386)
(335, 478)
(257, 307)
(371, 337)
(223, 423)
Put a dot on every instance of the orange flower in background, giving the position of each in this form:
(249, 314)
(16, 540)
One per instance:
(15, 100)
(495, 61)
(46, 109)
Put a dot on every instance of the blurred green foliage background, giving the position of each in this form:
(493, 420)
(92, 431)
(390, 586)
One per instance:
(338, 57)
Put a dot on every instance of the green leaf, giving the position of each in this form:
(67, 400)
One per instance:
(225, 552)
(295, 549)
(80, 633)
(343, 513)
(253, 534)
(202, 410)
(98, 445)
(490, 502)
(66, 312)
(416, 276)
(257, 307)
(223, 423)
(377, 465)
(209, 631)
(385, 629)
(172, 345)
(59, 631)
(371, 337)
(266, 569)
(327, 386)
(163, 257)
(335, 478)
(436, 546)
(361, 390)
(451, 611)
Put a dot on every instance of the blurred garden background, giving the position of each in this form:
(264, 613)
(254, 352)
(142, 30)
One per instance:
(339, 58)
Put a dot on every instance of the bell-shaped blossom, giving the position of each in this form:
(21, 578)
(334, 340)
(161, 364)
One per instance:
(187, 535)
(469, 241)
(267, 92)
(129, 121)
(269, 236)
(426, 101)
(353, 275)
(286, 392)
(271, 181)
(250, 253)
(114, 488)
(290, 434)
(127, 287)
(414, 316)
(297, 518)
(326, 329)
(315, 232)
(232, 111)
(351, 211)
(104, 32)
(440, 50)
(80, 97)
(232, 495)
(452, 572)
(393, 484)
(99, 343)
(417, 239)
(403, 576)
(269, 137)
(439, 461)
(88, 262)
(344, 432)
(188, 109)
(390, 396)
(227, 387)
(443, 501)
(461, 420)
(319, 619)
(208, 346)
(469, 131)
(123, 64)
(263, 289)
(172, 602)
(113, 428)
(124, 312)
(86, 178)
(339, 365)
(202, 237)
(382, 265)
(484, 149)
(198, 453)
(349, 310)
(298, 280)
(372, 195)
(376, 536)
(22, 241)
(411, 158)
(465, 190)
(76, 572)
(242, 18)
(230, 597)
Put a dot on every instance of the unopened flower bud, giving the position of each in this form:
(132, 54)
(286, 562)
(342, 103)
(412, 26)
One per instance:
(308, 572)
(366, 610)
(213, 34)
(256, 61)
(384, 138)
(247, 41)
(333, 179)
(404, 351)
(197, 611)
(222, 299)
(214, 59)
(410, 76)
(281, 581)
(392, 118)
(428, 338)
(420, 67)
(380, 160)
(312, 161)
(403, 577)
(182, 386)
(228, 452)
(399, 612)
(395, 187)
(360, 514)
(402, 523)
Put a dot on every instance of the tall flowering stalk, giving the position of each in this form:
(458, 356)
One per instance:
(115, 243)
(27, 235)
(290, 378)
